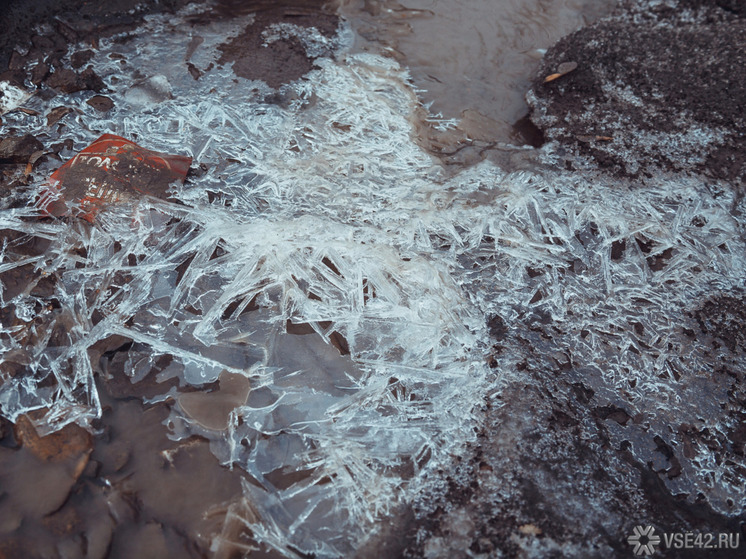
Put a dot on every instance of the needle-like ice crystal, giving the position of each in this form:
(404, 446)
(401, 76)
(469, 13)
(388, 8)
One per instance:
(326, 258)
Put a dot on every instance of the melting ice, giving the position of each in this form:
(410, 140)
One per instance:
(337, 283)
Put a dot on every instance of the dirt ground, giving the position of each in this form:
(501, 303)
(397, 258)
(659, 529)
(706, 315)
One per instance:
(657, 86)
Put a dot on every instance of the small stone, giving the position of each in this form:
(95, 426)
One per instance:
(57, 114)
(39, 73)
(67, 144)
(64, 80)
(70, 443)
(19, 149)
(101, 103)
(566, 67)
(80, 58)
(68, 81)
(17, 61)
(194, 71)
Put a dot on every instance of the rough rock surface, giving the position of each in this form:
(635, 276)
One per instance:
(18, 149)
(551, 430)
(658, 85)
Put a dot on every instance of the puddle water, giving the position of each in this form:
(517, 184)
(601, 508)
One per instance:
(471, 61)
(310, 309)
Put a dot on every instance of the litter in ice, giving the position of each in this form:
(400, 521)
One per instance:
(111, 169)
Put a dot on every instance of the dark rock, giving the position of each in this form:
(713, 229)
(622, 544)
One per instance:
(101, 103)
(42, 43)
(80, 58)
(657, 86)
(71, 443)
(57, 114)
(613, 413)
(14, 77)
(65, 80)
(724, 318)
(69, 81)
(497, 327)
(67, 144)
(17, 61)
(197, 171)
(19, 149)
(39, 73)
(194, 71)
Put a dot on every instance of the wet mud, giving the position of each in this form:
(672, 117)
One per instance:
(550, 476)
(658, 86)
(281, 61)
(125, 491)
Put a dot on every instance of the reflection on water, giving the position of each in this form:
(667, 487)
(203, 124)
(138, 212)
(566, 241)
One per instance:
(471, 60)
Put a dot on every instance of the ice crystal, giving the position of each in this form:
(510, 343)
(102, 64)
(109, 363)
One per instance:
(326, 216)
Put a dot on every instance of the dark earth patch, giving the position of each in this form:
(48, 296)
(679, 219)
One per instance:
(657, 86)
(284, 60)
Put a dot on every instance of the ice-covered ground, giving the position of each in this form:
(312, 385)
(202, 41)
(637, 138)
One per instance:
(323, 211)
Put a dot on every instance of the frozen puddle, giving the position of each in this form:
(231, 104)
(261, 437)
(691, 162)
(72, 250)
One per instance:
(337, 285)
(314, 278)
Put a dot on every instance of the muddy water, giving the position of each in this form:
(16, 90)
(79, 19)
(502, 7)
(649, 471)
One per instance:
(471, 60)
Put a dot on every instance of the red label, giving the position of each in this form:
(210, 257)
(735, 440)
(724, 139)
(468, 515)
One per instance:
(112, 169)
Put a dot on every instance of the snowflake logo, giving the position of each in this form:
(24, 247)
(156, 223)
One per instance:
(644, 540)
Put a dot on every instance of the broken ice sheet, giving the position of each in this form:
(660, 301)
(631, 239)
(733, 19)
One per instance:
(327, 214)
(11, 97)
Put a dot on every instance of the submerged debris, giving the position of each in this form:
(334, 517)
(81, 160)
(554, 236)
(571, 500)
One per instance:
(112, 169)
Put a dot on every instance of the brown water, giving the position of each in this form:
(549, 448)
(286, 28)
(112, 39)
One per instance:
(471, 59)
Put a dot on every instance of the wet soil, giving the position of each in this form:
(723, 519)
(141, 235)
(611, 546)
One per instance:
(658, 86)
(557, 470)
(282, 61)
(128, 491)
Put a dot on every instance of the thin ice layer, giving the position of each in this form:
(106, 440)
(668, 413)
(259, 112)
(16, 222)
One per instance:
(214, 287)
(327, 214)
